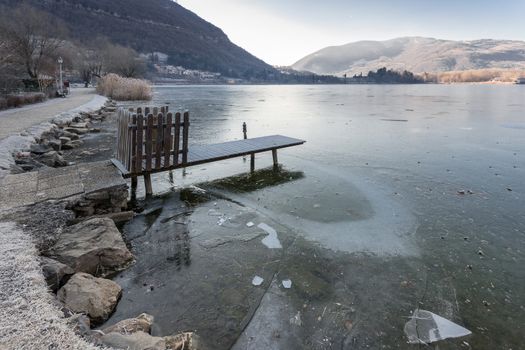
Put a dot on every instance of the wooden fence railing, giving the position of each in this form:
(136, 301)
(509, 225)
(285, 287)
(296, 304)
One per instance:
(151, 139)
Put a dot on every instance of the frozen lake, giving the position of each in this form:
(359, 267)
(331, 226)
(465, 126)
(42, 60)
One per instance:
(403, 197)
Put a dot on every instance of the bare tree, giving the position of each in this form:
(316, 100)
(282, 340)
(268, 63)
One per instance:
(9, 70)
(33, 37)
(123, 61)
(88, 62)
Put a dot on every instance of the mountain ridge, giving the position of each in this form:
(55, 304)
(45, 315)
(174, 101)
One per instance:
(416, 54)
(154, 26)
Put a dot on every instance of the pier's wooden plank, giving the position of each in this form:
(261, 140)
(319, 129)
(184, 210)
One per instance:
(149, 142)
(133, 145)
(159, 140)
(177, 140)
(140, 143)
(168, 140)
(185, 137)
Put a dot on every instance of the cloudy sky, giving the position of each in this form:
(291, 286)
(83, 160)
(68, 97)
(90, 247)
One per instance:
(283, 31)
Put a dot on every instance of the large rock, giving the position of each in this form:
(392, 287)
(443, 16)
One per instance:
(52, 159)
(64, 140)
(55, 144)
(72, 144)
(94, 246)
(78, 131)
(135, 341)
(92, 296)
(55, 273)
(184, 341)
(70, 135)
(40, 148)
(79, 125)
(141, 323)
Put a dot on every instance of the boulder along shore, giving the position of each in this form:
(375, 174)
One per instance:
(57, 255)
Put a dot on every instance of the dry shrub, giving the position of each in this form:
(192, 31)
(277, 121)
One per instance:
(13, 101)
(475, 76)
(124, 89)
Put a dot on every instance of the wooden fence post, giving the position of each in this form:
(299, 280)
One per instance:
(176, 140)
(185, 136)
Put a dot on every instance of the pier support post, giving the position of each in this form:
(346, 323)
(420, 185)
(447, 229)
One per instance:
(134, 183)
(252, 163)
(245, 135)
(275, 160)
(147, 185)
(171, 179)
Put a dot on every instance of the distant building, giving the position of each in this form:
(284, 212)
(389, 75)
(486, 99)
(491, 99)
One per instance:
(520, 80)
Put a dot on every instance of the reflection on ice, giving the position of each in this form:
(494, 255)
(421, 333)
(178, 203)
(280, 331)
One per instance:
(355, 216)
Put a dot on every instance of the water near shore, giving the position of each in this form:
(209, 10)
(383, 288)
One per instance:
(403, 197)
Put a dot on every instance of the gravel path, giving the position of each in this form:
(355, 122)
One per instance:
(19, 119)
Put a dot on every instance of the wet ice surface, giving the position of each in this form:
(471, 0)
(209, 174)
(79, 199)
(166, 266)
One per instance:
(336, 213)
(370, 215)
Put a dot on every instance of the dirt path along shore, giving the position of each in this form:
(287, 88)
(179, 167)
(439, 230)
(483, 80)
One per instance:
(19, 119)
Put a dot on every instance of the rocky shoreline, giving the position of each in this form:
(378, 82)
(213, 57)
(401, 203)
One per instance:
(62, 135)
(81, 247)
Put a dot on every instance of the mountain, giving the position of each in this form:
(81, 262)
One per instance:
(415, 54)
(155, 25)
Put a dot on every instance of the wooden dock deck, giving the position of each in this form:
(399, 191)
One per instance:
(154, 142)
(220, 151)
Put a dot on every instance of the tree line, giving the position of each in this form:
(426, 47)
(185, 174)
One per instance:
(387, 76)
(31, 41)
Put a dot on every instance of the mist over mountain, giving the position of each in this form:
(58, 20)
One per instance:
(155, 25)
(415, 54)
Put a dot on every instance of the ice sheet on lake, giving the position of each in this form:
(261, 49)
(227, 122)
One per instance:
(426, 327)
(287, 284)
(271, 241)
(257, 281)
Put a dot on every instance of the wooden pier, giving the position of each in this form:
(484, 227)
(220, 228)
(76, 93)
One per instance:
(153, 140)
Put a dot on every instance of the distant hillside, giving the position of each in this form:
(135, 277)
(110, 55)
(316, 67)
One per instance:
(155, 25)
(415, 54)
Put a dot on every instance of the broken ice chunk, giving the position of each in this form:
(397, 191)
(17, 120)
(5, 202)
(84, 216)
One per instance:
(271, 241)
(257, 281)
(426, 327)
(250, 224)
(287, 284)
(221, 221)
